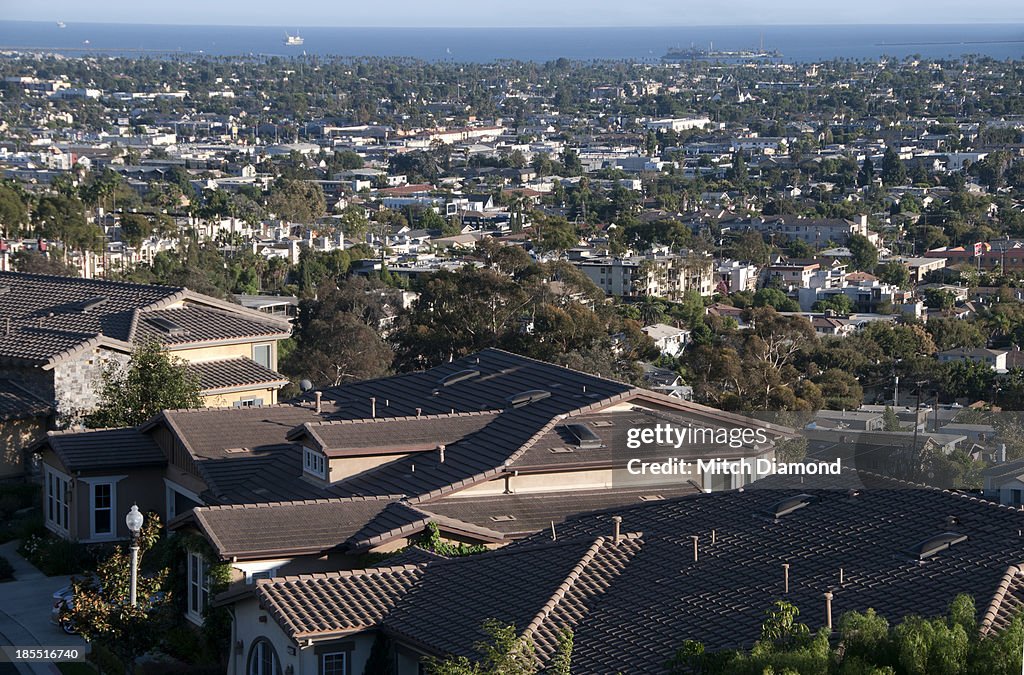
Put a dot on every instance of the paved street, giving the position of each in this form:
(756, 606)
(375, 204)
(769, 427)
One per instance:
(25, 613)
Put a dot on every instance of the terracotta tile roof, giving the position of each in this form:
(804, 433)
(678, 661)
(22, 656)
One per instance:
(257, 531)
(105, 449)
(16, 402)
(234, 373)
(336, 603)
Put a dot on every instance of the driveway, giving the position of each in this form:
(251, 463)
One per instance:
(25, 613)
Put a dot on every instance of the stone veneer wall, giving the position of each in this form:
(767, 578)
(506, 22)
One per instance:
(77, 381)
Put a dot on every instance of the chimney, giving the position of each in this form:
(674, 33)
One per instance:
(694, 537)
(318, 397)
(617, 528)
(440, 452)
(373, 406)
(785, 577)
(828, 610)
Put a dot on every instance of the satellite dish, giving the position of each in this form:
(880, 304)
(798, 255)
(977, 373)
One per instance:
(305, 385)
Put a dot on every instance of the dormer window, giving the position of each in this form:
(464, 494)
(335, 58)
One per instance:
(314, 463)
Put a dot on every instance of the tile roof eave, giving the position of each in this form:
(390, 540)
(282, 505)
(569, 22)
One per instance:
(98, 340)
(448, 523)
(992, 611)
(268, 319)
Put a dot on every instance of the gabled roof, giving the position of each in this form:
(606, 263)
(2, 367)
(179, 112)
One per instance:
(392, 435)
(255, 531)
(335, 604)
(226, 374)
(105, 449)
(44, 319)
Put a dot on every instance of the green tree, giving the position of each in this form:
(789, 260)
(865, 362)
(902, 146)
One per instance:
(894, 272)
(503, 653)
(101, 612)
(893, 171)
(135, 228)
(840, 390)
(151, 381)
(890, 420)
(296, 200)
(864, 254)
(13, 212)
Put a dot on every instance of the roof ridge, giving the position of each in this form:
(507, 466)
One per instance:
(563, 588)
(403, 418)
(997, 599)
(341, 574)
(298, 502)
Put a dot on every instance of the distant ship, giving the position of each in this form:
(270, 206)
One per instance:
(293, 40)
(738, 56)
(61, 24)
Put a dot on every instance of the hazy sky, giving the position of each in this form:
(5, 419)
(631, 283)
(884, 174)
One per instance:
(514, 12)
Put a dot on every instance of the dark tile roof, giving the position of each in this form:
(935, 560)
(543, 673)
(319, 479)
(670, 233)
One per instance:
(401, 519)
(664, 597)
(105, 449)
(200, 324)
(524, 513)
(231, 373)
(335, 603)
(262, 530)
(42, 317)
(539, 589)
(631, 605)
(394, 435)
(16, 402)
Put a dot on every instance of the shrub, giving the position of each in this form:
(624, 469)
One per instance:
(6, 569)
(105, 660)
(56, 556)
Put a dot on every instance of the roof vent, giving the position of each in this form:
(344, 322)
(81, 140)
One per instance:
(586, 438)
(791, 504)
(561, 450)
(167, 326)
(527, 397)
(503, 519)
(90, 304)
(460, 376)
(936, 544)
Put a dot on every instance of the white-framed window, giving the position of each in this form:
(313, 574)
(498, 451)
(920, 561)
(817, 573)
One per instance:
(333, 663)
(101, 509)
(314, 462)
(262, 354)
(248, 403)
(58, 494)
(263, 659)
(198, 586)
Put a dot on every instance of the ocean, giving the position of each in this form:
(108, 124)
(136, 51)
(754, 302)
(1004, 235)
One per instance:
(796, 43)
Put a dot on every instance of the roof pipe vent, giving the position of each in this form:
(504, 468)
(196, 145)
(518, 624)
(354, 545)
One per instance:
(373, 407)
(318, 397)
(440, 452)
(828, 610)
(616, 529)
(785, 578)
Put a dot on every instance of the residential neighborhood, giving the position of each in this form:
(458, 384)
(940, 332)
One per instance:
(324, 364)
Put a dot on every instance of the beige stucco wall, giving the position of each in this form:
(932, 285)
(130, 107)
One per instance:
(269, 397)
(221, 352)
(248, 628)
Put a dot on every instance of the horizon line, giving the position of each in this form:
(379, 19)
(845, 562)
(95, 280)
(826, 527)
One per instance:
(986, 22)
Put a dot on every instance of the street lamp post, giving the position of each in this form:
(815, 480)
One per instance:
(134, 521)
